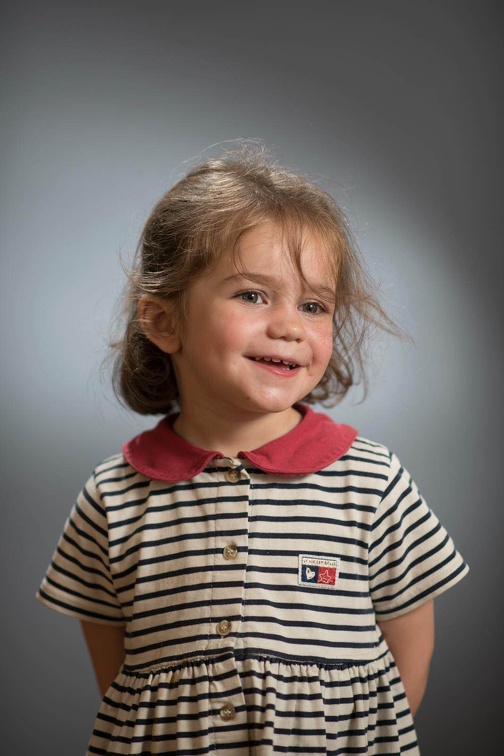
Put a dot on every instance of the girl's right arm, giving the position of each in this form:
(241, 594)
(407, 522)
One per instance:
(106, 647)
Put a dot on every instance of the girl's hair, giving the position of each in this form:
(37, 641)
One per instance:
(204, 215)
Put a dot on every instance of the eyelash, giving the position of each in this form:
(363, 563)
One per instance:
(243, 294)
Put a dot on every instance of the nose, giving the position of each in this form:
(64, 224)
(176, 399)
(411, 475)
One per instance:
(285, 323)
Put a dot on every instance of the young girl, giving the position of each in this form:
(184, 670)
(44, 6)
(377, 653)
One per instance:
(251, 577)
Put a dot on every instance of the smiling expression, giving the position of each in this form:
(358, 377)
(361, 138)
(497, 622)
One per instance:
(257, 338)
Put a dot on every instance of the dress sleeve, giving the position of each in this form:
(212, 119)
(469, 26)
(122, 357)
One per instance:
(411, 556)
(78, 581)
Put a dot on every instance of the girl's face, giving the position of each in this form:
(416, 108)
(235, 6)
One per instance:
(257, 338)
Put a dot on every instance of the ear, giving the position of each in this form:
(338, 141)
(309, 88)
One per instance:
(157, 321)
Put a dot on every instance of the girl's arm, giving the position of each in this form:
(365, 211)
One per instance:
(410, 638)
(106, 647)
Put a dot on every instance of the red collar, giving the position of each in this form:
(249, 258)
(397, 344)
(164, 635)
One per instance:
(312, 445)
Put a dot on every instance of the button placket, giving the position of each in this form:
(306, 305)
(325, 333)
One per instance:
(227, 693)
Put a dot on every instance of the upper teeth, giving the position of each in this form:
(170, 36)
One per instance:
(273, 359)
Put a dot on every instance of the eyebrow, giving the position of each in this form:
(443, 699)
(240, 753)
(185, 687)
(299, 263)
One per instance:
(321, 290)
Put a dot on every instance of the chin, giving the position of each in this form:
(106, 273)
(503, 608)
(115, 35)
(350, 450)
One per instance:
(273, 405)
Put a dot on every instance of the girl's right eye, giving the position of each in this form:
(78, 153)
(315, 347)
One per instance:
(251, 297)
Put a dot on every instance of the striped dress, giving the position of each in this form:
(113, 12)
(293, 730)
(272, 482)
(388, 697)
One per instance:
(250, 591)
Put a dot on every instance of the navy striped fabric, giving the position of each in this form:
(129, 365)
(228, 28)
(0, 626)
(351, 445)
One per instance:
(251, 603)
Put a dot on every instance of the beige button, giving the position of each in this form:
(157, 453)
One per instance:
(227, 712)
(230, 551)
(233, 476)
(223, 628)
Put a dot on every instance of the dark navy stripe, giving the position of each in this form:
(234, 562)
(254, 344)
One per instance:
(308, 537)
(423, 557)
(170, 540)
(86, 584)
(429, 591)
(310, 518)
(207, 504)
(78, 609)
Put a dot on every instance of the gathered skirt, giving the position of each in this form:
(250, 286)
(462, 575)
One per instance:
(269, 706)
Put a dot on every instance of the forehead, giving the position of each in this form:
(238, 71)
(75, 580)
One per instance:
(285, 251)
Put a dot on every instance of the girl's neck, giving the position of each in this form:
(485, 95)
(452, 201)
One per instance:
(207, 430)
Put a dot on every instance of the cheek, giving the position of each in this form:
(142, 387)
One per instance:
(230, 334)
(238, 326)
(324, 344)
(213, 325)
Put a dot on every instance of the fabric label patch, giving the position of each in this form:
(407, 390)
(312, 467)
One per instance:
(318, 571)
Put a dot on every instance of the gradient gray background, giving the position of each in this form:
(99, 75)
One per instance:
(395, 107)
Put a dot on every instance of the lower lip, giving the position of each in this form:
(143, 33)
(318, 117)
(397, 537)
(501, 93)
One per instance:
(274, 367)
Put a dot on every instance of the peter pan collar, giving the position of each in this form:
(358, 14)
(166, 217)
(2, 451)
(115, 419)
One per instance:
(312, 445)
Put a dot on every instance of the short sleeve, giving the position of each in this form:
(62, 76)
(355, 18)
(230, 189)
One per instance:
(78, 581)
(411, 556)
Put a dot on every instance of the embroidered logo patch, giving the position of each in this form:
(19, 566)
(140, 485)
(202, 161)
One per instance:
(318, 571)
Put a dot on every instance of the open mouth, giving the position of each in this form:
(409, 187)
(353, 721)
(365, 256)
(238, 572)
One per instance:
(283, 364)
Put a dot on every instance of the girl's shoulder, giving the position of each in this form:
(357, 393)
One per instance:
(364, 448)
(109, 480)
(112, 469)
(365, 454)
(369, 463)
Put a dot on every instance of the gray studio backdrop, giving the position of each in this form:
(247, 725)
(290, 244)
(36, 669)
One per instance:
(394, 107)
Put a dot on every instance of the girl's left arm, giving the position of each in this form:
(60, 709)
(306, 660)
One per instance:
(410, 638)
(106, 648)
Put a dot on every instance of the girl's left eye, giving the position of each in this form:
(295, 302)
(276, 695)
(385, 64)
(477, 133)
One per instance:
(313, 308)
(252, 297)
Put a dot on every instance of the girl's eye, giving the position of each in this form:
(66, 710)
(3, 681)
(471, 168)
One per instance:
(313, 308)
(252, 297)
